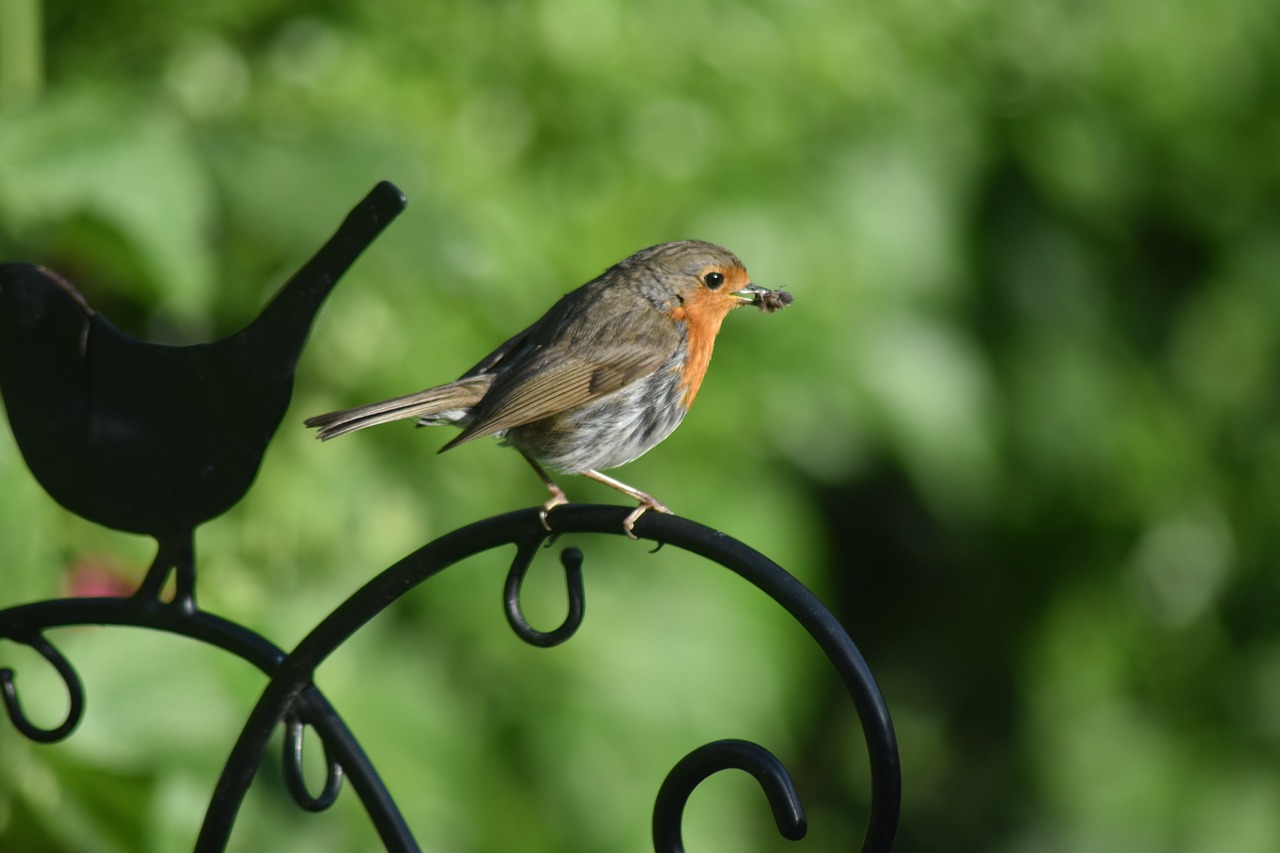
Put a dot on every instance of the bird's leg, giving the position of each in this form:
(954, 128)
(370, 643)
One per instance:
(647, 501)
(557, 494)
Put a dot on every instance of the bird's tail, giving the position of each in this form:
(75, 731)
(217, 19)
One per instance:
(445, 404)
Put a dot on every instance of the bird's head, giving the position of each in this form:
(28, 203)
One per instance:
(693, 281)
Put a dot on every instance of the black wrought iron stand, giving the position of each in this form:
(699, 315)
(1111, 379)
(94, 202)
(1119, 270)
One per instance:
(137, 437)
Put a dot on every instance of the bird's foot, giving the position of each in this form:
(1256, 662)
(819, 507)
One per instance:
(646, 504)
(557, 498)
(647, 501)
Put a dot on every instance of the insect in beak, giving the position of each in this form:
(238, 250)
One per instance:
(764, 299)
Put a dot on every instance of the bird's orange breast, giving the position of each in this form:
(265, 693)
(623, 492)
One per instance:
(701, 316)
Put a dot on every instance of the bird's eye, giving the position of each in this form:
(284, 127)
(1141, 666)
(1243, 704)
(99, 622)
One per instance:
(713, 279)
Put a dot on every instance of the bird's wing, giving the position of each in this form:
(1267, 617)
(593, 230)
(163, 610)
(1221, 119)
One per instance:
(541, 387)
(512, 348)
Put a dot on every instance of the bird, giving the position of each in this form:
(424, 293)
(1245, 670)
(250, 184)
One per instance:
(601, 378)
(153, 438)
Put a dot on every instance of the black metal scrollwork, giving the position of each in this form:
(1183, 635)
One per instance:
(294, 730)
(75, 694)
(709, 759)
(343, 754)
(290, 699)
(571, 559)
(524, 530)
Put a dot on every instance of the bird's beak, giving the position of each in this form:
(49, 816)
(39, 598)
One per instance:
(750, 293)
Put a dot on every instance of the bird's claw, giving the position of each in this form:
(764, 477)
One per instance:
(555, 501)
(630, 521)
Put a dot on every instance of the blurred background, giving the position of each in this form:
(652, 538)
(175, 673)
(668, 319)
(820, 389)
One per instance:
(1019, 429)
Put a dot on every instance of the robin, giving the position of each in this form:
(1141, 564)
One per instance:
(601, 378)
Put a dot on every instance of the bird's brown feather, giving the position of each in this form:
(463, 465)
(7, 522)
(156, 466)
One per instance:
(596, 364)
(462, 394)
(555, 389)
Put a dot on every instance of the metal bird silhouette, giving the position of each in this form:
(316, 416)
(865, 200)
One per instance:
(151, 438)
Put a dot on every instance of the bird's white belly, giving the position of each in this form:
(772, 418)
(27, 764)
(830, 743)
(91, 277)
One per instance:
(608, 432)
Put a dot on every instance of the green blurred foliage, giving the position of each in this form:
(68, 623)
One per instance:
(1019, 428)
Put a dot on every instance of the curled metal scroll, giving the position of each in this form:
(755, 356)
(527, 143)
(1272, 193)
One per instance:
(345, 759)
(75, 695)
(294, 730)
(294, 675)
(690, 771)
(571, 559)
